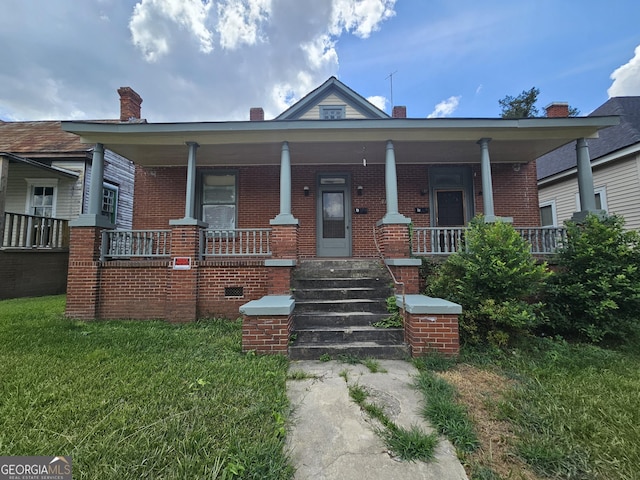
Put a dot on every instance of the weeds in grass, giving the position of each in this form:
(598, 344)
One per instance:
(448, 416)
(325, 357)
(345, 374)
(373, 365)
(300, 375)
(348, 358)
(139, 399)
(435, 361)
(412, 444)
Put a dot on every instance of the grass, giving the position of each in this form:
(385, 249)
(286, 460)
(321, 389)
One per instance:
(412, 444)
(139, 399)
(577, 409)
(447, 415)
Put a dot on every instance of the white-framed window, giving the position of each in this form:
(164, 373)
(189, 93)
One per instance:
(219, 199)
(601, 199)
(332, 112)
(548, 215)
(42, 196)
(110, 202)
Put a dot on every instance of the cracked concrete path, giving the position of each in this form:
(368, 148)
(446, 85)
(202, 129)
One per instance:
(330, 437)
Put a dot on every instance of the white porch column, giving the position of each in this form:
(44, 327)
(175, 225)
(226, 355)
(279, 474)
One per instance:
(190, 205)
(391, 188)
(487, 183)
(4, 177)
(586, 191)
(190, 197)
(94, 217)
(285, 217)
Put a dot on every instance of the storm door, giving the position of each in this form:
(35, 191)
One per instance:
(450, 208)
(333, 213)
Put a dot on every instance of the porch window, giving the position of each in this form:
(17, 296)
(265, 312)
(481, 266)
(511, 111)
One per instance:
(219, 200)
(548, 216)
(41, 197)
(110, 202)
(332, 112)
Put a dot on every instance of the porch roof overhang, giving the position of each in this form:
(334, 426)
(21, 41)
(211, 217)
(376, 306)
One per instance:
(448, 140)
(34, 163)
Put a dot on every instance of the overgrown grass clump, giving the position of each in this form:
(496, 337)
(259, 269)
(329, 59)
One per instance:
(133, 399)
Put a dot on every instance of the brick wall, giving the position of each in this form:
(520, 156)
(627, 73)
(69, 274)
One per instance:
(266, 335)
(428, 333)
(33, 274)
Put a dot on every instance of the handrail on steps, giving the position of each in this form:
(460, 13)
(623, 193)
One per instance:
(393, 277)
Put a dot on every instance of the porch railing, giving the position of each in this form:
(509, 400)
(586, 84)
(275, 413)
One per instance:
(30, 231)
(448, 240)
(125, 244)
(252, 242)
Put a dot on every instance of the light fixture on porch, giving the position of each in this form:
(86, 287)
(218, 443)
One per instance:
(359, 190)
(423, 192)
(364, 157)
(516, 167)
(306, 191)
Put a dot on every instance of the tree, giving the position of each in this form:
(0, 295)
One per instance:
(524, 105)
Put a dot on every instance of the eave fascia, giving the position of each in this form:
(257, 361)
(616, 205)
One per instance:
(608, 158)
(410, 129)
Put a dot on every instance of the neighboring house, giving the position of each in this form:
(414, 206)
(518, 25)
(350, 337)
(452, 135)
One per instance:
(615, 161)
(45, 175)
(225, 212)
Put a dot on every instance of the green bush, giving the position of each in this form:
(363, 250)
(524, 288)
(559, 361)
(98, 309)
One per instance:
(496, 280)
(595, 294)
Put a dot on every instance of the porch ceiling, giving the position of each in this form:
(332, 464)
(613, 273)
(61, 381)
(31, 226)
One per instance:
(339, 142)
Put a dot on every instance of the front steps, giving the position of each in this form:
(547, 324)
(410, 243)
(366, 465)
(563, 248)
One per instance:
(336, 303)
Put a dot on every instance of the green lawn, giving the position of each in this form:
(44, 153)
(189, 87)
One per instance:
(139, 399)
(576, 409)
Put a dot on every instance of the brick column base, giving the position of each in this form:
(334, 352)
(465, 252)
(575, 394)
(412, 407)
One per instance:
(182, 285)
(426, 333)
(266, 334)
(83, 278)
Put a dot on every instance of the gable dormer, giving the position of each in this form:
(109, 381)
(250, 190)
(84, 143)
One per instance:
(332, 100)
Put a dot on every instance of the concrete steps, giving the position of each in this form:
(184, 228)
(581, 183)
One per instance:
(336, 303)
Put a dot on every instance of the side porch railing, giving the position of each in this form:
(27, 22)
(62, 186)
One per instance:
(31, 231)
(447, 240)
(239, 242)
(127, 244)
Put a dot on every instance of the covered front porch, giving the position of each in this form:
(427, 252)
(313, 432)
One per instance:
(225, 211)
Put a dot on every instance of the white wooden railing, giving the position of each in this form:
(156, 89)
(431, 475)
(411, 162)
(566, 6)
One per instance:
(126, 244)
(30, 231)
(238, 242)
(448, 240)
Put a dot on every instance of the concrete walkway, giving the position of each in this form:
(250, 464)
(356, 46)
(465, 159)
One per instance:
(331, 438)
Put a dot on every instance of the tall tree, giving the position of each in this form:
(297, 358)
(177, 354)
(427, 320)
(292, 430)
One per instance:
(522, 106)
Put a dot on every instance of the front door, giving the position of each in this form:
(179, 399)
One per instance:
(333, 213)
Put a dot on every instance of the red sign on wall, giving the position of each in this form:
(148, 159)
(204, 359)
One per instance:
(182, 263)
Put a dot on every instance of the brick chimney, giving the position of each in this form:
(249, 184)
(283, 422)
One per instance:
(399, 111)
(130, 103)
(256, 114)
(557, 110)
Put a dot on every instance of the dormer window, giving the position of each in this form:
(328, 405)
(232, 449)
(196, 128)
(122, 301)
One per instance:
(332, 112)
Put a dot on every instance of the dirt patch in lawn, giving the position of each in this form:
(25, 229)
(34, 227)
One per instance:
(480, 391)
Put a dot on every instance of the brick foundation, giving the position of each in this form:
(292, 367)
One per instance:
(266, 334)
(427, 333)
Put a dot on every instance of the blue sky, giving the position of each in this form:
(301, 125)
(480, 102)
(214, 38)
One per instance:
(194, 60)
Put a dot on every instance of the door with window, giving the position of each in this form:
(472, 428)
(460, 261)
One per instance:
(333, 213)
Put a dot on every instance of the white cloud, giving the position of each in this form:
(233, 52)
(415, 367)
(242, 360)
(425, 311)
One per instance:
(445, 108)
(153, 20)
(626, 79)
(379, 101)
(239, 21)
(321, 52)
(361, 17)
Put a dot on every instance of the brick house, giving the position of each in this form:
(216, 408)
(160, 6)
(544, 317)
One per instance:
(226, 212)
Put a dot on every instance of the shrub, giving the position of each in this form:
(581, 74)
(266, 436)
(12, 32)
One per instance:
(595, 294)
(495, 280)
